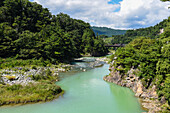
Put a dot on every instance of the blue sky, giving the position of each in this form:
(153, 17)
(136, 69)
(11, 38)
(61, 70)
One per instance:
(119, 14)
(114, 1)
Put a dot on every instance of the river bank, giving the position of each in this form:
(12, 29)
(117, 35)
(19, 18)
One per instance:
(32, 84)
(85, 92)
(148, 97)
(31, 93)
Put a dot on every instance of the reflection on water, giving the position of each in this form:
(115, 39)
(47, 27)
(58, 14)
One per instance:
(122, 97)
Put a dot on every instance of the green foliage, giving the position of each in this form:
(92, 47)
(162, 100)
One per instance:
(33, 67)
(48, 72)
(30, 93)
(107, 32)
(151, 57)
(29, 31)
(25, 69)
(166, 89)
(99, 49)
(164, 0)
(12, 62)
(14, 87)
(152, 32)
(45, 74)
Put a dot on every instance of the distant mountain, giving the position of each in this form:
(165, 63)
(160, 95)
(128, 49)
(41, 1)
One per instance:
(152, 32)
(107, 31)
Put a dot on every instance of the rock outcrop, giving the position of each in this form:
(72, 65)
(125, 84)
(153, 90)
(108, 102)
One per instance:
(148, 97)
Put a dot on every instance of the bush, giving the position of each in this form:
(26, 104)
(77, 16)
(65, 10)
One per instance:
(44, 75)
(33, 67)
(48, 72)
(25, 69)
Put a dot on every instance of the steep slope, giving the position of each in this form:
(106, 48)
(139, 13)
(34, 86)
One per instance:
(144, 66)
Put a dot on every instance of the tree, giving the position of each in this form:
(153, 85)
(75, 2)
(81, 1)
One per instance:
(7, 36)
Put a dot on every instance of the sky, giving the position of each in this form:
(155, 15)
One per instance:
(117, 14)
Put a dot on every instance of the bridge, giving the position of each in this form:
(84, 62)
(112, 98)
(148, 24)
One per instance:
(116, 45)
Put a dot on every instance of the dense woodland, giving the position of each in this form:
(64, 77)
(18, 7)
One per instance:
(107, 32)
(152, 57)
(29, 31)
(149, 51)
(32, 38)
(150, 32)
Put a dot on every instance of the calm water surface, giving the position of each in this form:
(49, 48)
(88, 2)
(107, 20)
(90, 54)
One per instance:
(85, 92)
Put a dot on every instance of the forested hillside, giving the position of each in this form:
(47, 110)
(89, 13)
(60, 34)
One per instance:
(29, 31)
(107, 31)
(151, 57)
(151, 32)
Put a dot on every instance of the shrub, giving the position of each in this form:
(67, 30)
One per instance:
(48, 72)
(33, 67)
(25, 69)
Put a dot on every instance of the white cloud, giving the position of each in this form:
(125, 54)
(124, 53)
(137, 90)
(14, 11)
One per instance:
(132, 14)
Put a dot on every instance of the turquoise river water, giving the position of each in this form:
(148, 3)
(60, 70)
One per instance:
(85, 92)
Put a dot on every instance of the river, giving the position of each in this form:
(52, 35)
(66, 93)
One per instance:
(85, 92)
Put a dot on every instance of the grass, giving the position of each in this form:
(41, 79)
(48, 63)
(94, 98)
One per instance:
(18, 94)
(12, 62)
(44, 89)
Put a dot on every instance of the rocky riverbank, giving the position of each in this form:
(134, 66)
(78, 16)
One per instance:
(26, 75)
(148, 97)
(89, 62)
(30, 84)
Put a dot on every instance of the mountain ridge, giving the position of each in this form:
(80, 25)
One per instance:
(107, 31)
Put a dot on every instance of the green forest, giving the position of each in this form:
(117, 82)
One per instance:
(151, 55)
(31, 36)
(107, 32)
(29, 31)
(150, 32)
(32, 39)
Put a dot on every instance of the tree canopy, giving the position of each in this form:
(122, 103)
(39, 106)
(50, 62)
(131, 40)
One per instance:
(27, 30)
(152, 58)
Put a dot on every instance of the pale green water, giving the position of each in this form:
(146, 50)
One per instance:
(86, 92)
